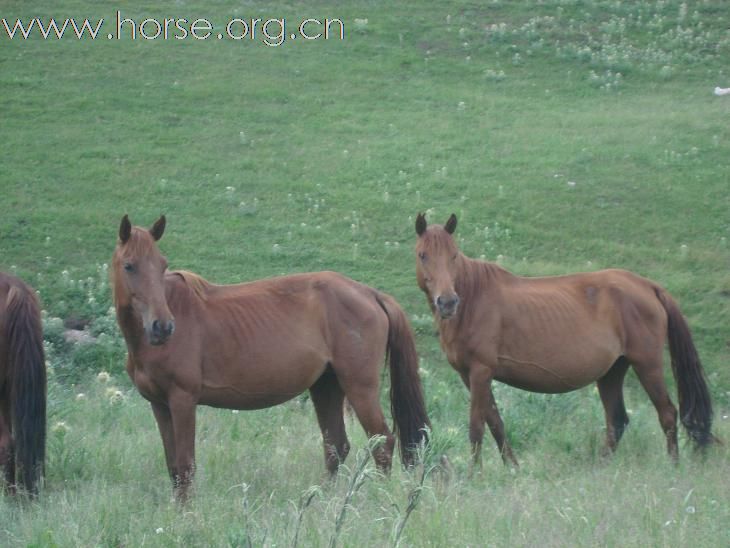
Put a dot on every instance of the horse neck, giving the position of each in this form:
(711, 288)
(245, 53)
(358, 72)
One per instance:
(471, 277)
(475, 279)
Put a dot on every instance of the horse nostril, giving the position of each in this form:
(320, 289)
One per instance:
(156, 327)
(447, 302)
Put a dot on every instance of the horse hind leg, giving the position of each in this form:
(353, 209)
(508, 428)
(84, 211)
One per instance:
(651, 377)
(610, 387)
(327, 397)
(357, 369)
(366, 403)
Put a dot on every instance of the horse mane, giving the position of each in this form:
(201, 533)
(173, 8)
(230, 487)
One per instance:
(196, 283)
(475, 278)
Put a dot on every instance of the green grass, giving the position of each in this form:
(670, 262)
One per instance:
(318, 155)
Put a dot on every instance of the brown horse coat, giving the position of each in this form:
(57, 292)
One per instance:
(259, 344)
(557, 334)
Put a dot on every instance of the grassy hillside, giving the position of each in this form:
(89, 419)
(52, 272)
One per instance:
(566, 135)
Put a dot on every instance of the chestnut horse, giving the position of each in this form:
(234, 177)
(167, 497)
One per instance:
(22, 386)
(557, 334)
(259, 344)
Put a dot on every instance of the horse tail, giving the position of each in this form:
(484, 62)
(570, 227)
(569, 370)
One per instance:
(406, 392)
(27, 382)
(695, 404)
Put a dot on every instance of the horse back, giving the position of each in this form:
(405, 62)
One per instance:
(325, 300)
(605, 297)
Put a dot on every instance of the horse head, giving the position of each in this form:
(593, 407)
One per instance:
(437, 263)
(139, 272)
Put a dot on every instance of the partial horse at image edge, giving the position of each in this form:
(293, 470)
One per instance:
(258, 344)
(557, 334)
(22, 387)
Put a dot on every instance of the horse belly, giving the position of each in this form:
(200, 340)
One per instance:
(541, 381)
(230, 398)
(263, 379)
(563, 372)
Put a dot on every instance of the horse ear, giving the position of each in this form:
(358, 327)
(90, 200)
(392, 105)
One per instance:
(420, 224)
(125, 229)
(450, 225)
(158, 229)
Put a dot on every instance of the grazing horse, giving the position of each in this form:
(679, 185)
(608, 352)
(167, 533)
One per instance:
(557, 334)
(259, 344)
(22, 386)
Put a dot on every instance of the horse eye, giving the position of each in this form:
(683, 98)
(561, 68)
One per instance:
(454, 257)
(129, 267)
(422, 256)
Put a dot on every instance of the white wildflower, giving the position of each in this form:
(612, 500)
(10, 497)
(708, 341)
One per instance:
(115, 396)
(60, 427)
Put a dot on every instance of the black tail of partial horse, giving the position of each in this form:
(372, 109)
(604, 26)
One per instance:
(27, 381)
(695, 404)
(406, 393)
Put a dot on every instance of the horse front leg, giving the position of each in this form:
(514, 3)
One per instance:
(164, 424)
(182, 410)
(484, 409)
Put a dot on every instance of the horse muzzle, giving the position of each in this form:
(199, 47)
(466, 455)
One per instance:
(447, 306)
(159, 331)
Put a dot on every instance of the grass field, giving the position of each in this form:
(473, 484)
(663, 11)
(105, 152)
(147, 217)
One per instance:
(566, 135)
